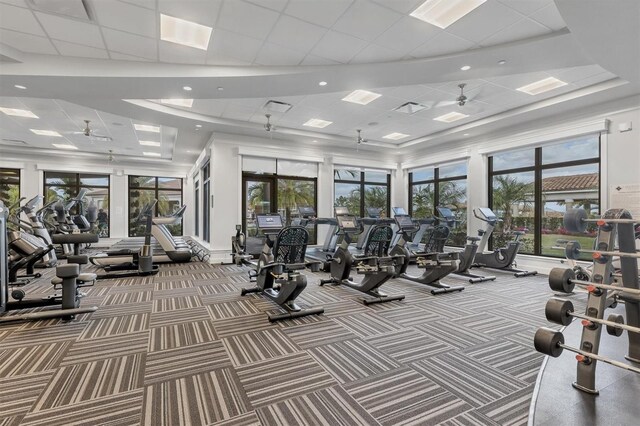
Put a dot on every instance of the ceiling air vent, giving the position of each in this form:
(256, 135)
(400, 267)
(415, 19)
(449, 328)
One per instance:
(18, 142)
(410, 108)
(70, 8)
(277, 106)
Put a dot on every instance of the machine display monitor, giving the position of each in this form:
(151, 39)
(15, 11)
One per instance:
(306, 211)
(340, 210)
(373, 212)
(404, 221)
(348, 223)
(487, 213)
(399, 211)
(445, 212)
(269, 221)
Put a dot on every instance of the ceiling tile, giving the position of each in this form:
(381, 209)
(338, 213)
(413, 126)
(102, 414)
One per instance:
(338, 47)
(238, 112)
(277, 5)
(72, 49)
(130, 44)
(27, 42)
(317, 60)
(126, 17)
(374, 53)
(149, 4)
(247, 19)
(272, 54)
(526, 7)
(17, 18)
(484, 21)
(20, 3)
(226, 44)
(366, 20)
(549, 17)
(407, 34)
(402, 6)
(442, 44)
(296, 34)
(517, 80)
(216, 59)
(176, 53)
(574, 74)
(204, 12)
(71, 30)
(123, 57)
(523, 29)
(324, 13)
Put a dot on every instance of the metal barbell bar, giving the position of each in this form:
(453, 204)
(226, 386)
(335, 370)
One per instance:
(564, 280)
(561, 311)
(573, 249)
(551, 342)
(575, 220)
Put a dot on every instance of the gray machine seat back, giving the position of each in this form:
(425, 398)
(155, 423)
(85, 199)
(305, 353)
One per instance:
(379, 241)
(92, 212)
(291, 245)
(59, 210)
(24, 244)
(435, 239)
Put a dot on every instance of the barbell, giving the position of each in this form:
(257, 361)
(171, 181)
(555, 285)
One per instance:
(561, 311)
(573, 249)
(564, 280)
(576, 220)
(551, 342)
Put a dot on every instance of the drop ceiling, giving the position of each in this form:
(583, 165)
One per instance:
(114, 67)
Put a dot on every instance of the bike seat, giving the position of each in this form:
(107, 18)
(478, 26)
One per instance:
(473, 238)
(121, 252)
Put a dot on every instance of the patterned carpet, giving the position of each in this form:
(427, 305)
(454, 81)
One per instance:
(183, 347)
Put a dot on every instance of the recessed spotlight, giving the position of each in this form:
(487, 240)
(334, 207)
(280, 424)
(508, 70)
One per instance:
(146, 128)
(19, 86)
(46, 133)
(187, 103)
(152, 154)
(314, 141)
(220, 89)
(149, 143)
(502, 62)
(451, 117)
(542, 86)
(395, 136)
(443, 13)
(322, 83)
(361, 97)
(187, 88)
(466, 134)
(187, 33)
(18, 112)
(198, 125)
(64, 146)
(316, 122)
(465, 68)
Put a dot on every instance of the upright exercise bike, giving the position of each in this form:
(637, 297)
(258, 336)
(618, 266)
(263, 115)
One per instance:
(376, 266)
(503, 258)
(277, 273)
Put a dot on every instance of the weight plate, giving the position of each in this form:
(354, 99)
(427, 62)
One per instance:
(560, 280)
(547, 341)
(574, 220)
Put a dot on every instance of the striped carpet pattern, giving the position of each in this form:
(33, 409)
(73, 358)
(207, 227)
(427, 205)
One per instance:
(184, 348)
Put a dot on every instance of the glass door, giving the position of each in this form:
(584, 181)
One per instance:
(258, 198)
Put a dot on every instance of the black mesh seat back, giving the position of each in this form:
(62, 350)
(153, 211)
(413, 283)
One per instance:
(378, 241)
(435, 238)
(291, 245)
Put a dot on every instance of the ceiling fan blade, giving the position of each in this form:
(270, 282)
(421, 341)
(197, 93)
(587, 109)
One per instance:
(444, 104)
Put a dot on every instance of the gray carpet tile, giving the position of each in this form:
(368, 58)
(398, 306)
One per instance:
(184, 347)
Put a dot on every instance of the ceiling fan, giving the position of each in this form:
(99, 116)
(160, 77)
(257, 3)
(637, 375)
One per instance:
(88, 131)
(360, 140)
(462, 101)
(268, 126)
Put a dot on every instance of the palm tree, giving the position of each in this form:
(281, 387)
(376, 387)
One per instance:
(257, 194)
(376, 196)
(293, 193)
(423, 201)
(507, 192)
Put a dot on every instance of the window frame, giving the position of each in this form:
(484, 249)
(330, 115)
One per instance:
(363, 183)
(156, 189)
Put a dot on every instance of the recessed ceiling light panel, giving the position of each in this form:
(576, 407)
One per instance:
(18, 112)
(451, 117)
(277, 106)
(361, 97)
(152, 154)
(46, 133)
(410, 108)
(19, 86)
(542, 86)
(149, 143)
(187, 33)
(465, 68)
(443, 13)
(64, 146)
(186, 103)
(395, 136)
(147, 128)
(316, 122)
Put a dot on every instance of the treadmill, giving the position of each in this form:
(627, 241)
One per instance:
(324, 252)
(373, 218)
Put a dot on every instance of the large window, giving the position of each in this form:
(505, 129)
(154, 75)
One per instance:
(9, 186)
(143, 190)
(444, 186)
(64, 185)
(360, 190)
(531, 190)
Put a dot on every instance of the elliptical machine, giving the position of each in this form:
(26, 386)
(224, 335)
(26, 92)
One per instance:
(436, 265)
(470, 249)
(278, 274)
(239, 255)
(503, 258)
(376, 266)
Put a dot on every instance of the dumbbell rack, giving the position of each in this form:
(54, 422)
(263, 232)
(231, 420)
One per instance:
(601, 295)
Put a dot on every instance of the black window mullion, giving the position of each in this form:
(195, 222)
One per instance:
(538, 206)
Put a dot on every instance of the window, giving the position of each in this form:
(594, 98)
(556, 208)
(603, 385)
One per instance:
(531, 190)
(360, 190)
(143, 190)
(444, 186)
(196, 199)
(9, 186)
(64, 185)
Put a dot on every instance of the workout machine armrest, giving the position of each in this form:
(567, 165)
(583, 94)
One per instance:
(74, 238)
